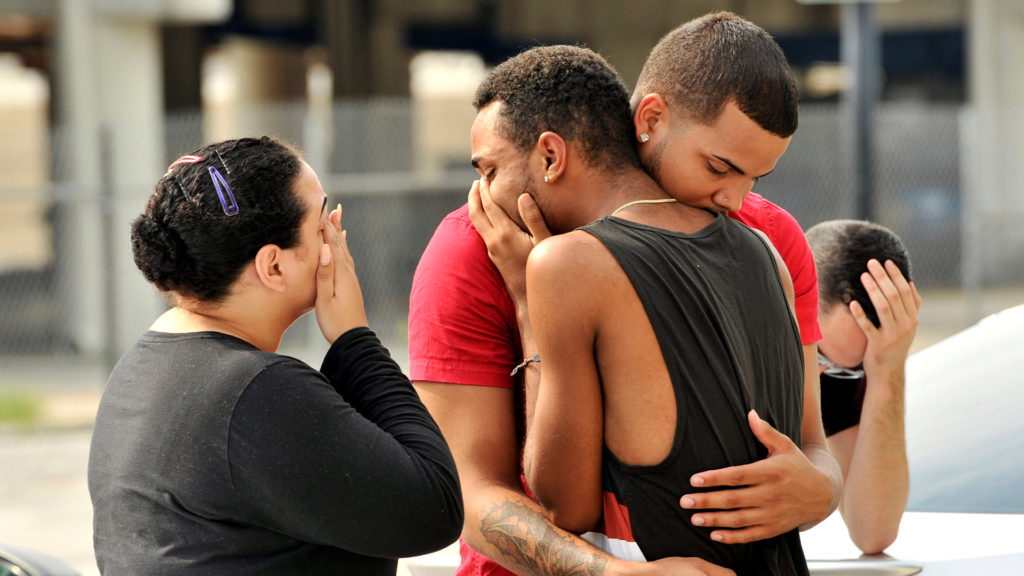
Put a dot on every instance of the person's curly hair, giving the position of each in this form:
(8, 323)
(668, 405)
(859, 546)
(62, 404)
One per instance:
(186, 245)
(841, 250)
(569, 90)
(707, 62)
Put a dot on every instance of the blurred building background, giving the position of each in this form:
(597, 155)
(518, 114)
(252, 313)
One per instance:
(97, 97)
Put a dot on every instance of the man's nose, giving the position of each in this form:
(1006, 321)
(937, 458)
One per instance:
(731, 199)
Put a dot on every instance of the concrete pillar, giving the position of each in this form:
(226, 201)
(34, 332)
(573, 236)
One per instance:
(111, 104)
(994, 198)
(131, 111)
(346, 26)
(241, 78)
(25, 241)
(78, 226)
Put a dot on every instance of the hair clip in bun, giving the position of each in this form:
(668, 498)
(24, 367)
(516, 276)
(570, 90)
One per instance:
(229, 204)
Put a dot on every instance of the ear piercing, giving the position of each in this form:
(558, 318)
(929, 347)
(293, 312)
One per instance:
(644, 137)
(547, 179)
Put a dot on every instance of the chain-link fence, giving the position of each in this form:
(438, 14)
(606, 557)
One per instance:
(917, 182)
(366, 154)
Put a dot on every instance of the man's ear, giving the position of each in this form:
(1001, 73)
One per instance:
(553, 151)
(650, 112)
(267, 264)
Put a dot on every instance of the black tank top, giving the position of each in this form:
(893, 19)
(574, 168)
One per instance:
(730, 343)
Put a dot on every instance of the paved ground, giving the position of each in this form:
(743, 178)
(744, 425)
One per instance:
(44, 500)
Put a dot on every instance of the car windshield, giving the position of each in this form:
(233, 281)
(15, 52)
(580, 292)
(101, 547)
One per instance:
(965, 431)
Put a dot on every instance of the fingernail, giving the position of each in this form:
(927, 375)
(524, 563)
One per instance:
(698, 520)
(687, 502)
(716, 536)
(696, 481)
(325, 255)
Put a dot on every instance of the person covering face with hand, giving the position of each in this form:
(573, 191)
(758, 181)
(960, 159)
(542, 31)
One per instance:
(869, 315)
(213, 454)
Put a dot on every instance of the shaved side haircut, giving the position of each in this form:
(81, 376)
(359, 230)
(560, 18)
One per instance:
(707, 62)
(841, 251)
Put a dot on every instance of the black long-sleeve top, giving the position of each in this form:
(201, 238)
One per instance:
(210, 456)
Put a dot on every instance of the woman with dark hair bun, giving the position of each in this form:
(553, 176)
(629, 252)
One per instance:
(213, 454)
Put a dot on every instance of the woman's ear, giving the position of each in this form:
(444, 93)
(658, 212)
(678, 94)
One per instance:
(649, 113)
(553, 150)
(267, 264)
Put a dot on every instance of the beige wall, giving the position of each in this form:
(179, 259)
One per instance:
(242, 76)
(24, 167)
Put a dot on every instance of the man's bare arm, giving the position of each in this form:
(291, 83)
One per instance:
(517, 530)
(873, 454)
(565, 435)
(502, 522)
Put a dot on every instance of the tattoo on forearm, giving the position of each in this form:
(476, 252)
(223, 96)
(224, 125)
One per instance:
(521, 534)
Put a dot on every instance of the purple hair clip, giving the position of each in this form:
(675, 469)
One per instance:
(229, 204)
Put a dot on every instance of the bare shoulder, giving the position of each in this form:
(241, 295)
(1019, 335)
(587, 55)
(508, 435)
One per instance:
(569, 254)
(568, 269)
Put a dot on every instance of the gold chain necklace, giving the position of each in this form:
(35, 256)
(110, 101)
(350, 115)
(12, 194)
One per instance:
(647, 201)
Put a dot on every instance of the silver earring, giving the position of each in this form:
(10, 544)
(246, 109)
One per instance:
(644, 137)
(546, 179)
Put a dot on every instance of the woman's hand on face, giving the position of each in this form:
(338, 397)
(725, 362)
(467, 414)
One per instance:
(339, 300)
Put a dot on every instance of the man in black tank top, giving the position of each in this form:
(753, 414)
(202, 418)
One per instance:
(728, 346)
(668, 346)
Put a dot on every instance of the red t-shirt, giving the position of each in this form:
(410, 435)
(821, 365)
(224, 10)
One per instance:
(462, 322)
(788, 238)
(462, 328)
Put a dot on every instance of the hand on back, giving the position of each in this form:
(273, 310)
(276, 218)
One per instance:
(765, 498)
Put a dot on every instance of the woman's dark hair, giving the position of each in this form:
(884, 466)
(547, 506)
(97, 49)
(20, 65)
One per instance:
(186, 241)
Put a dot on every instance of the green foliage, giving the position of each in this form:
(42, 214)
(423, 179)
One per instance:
(20, 408)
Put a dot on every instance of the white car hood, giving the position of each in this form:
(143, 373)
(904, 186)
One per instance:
(926, 536)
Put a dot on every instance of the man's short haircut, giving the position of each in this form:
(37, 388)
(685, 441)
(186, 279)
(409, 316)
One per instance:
(569, 90)
(841, 251)
(703, 64)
